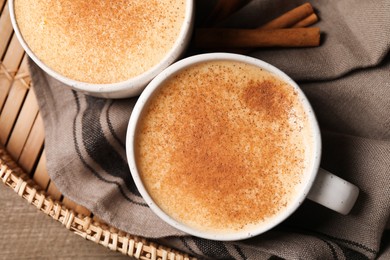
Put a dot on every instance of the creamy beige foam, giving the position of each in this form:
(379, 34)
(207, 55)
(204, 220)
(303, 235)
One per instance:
(100, 41)
(223, 146)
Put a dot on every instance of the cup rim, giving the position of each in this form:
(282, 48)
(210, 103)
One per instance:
(165, 75)
(122, 89)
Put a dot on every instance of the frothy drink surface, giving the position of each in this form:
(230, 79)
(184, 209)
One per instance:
(100, 41)
(223, 146)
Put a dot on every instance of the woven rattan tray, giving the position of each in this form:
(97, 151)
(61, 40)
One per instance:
(23, 160)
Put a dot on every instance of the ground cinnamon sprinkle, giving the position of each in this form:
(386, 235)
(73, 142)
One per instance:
(221, 147)
(100, 41)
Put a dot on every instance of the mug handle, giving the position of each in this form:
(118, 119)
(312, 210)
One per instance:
(333, 192)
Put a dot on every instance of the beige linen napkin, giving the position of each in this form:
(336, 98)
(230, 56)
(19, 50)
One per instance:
(347, 80)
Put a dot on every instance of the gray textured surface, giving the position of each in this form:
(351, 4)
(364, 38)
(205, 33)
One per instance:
(26, 233)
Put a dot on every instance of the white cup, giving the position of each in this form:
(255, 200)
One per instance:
(320, 185)
(130, 87)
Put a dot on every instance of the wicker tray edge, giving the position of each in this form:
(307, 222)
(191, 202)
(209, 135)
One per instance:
(15, 178)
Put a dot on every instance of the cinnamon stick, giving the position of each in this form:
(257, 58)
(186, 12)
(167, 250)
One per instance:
(311, 19)
(290, 18)
(252, 38)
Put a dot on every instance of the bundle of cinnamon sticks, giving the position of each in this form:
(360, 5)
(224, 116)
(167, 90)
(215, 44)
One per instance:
(288, 30)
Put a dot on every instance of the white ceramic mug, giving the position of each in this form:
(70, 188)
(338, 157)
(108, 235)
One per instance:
(320, 186)
(130, 87)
